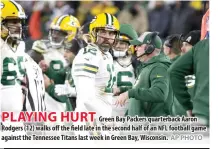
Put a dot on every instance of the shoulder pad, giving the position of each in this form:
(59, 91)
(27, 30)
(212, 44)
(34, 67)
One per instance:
(41, 46)
(90, 51)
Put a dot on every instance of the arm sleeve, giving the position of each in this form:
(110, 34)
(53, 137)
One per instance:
(124, 88)
(86, 63)
(85, 88)
(159, 89)
(177, 72)
(87, 99)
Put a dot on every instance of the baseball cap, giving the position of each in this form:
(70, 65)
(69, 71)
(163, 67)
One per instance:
(192, 37)
(146, 38)
(127, 32)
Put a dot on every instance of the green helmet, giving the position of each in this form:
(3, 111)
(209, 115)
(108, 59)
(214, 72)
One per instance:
(127, 33)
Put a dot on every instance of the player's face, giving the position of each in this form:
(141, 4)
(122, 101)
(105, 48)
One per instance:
(121, 46)
(140, 50)
(15, 28)
(185, 47)
(166, 50)
(105, 38)
(69, 56)
(58, 36)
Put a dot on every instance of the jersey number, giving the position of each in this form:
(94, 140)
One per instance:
(112, 79)
(56, 65)
(121, 75)
(92, 51)
(9, 75)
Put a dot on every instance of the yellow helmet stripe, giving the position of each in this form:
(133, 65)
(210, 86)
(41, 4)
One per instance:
(60, 19)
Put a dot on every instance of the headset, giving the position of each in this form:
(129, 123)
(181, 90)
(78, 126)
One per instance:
(150, 47)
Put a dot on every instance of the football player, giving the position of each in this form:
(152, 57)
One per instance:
(93, 70)
(49, 54)
(124, 71)
(64, 91)
(12, 65)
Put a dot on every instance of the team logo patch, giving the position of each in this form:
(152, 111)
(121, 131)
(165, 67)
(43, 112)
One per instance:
(189, 39)
(148, 41)
(73, 22)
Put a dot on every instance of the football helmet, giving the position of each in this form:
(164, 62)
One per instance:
(104, 21)
(11, 10)
(63, 29)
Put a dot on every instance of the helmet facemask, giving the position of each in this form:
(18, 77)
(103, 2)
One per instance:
(104, 37)
(57, 37)
(14, 28)
(120, 48)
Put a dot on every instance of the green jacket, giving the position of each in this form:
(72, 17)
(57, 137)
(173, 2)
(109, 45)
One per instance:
(177, 108)
(151, 94)
(196, 61)
(63, 98)
(175, 58)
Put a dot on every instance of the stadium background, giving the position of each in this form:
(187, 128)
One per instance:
(166, 17)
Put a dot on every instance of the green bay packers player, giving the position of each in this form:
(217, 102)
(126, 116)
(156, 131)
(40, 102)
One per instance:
(93, 70)
(17, 65)
(12, 65)
(122, 54)
(66, 92)
(12, 91)
(49, 54)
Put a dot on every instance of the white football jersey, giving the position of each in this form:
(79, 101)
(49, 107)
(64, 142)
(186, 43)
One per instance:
(53, 57)
(125, 77)
(124, 72)
(91, 62)
(36, 88)
(12, 72)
